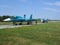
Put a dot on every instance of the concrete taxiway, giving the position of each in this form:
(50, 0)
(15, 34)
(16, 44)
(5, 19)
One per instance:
(11, 26)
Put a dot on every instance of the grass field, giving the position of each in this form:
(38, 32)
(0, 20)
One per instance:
(5, 23)
(42, 34)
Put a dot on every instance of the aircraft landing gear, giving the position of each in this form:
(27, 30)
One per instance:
(14, 23)
(36, 22)
(29, 23)
(20, 23)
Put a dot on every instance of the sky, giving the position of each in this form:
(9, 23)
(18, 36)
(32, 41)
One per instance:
(45, 9)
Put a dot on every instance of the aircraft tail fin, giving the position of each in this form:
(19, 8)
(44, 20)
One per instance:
(31, 16)
(24, 16)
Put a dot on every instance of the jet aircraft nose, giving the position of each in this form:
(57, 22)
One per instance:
(8, 19)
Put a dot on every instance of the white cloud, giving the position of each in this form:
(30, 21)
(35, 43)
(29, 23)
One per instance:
(52, 9)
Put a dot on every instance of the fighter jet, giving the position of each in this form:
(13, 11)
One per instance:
(44, 20)
(20, 19)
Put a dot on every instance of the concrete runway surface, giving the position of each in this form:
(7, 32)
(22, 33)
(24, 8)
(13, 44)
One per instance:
(11, 26)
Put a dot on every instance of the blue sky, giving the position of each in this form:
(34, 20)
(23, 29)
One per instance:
(38, 8)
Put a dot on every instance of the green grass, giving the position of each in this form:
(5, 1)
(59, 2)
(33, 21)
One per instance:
(42, 34)
(5, 23)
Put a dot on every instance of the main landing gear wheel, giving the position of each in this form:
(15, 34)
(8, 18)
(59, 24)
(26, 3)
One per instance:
(20, 23)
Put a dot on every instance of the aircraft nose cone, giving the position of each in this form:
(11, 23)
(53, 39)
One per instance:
(8, 19)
